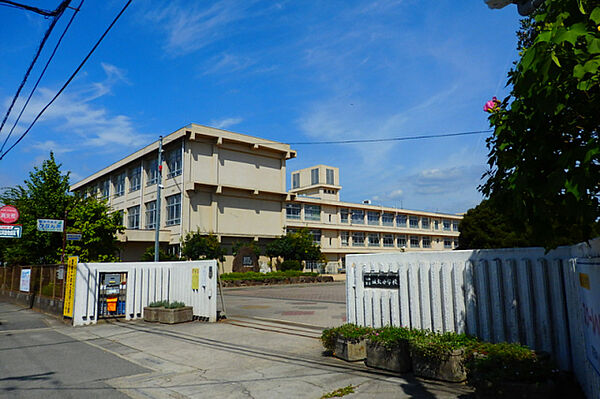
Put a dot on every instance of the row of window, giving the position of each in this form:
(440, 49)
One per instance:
(173, 216)
(174, 164)
(374, 218)
(361, 239)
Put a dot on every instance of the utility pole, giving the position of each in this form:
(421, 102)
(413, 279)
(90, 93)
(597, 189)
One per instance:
(157, 210)
(64, 237)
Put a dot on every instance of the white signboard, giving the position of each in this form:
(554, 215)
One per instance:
(589, 289)
(11, 231)
(52, 225)
(25, 279)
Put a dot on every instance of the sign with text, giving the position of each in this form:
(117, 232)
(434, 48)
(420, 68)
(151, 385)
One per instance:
(589, 291)
(381, 280)
(70, 286)
(73, 236)
(11, 231)
(51, 225)
(25, 280)
(9, 214)
(195, 278)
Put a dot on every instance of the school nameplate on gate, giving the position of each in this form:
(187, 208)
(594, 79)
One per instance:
(381, 280)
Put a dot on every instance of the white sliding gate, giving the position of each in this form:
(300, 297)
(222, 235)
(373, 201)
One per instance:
(513, 295)
(148, 282)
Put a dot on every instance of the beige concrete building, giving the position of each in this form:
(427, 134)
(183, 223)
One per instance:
(234, 186)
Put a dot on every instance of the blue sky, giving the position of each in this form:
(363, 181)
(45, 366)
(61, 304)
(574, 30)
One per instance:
(291, 71)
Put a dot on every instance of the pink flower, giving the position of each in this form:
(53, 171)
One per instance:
(491, 105)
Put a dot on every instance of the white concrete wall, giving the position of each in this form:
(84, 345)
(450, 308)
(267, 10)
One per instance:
(514, 295)
(148, 282)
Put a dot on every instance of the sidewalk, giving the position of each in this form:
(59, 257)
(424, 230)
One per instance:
(242, 360)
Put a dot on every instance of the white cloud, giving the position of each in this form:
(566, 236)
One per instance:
(225, 123)
(227, 63)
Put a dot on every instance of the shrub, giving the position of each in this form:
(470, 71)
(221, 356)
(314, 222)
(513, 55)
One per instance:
(290, 265)
(350, 332)
(175, 305)
(440, 346)
(393, 337)
(158, 304)
(264, 276)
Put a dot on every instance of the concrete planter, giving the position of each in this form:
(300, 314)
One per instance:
(174, 316)
(396, 359)
(350, 350)
(450, 369)
(151, 314)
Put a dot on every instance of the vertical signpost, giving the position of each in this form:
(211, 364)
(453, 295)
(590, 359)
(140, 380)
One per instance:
(69, 299)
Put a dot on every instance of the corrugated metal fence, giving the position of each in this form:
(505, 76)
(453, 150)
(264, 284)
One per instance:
(513, 295)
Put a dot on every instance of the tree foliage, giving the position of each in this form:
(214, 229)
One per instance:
(544, 154)
(148, 255)
(45, 195)
(294, 246)
(198, 245)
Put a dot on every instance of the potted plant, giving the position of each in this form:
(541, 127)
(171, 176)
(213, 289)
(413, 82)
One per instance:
(151, 311)
(388, 348)
(440, 356)
(175, 312)
(511, 371)
(346, 342)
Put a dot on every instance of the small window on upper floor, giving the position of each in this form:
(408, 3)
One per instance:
(152, 171)
(120, 185)
(330, 177)
(295, 180)
(455, 225)
(174, 163)
(314, 176)
(135, 175)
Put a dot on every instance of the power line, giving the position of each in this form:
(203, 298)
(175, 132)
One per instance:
(68, 80)
(383, 140)
(46, 13)
(61, 8)
(41, 75)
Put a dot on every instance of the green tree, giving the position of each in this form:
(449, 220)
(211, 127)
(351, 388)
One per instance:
(45, 195)
(544, 154)
(148, 255)
(297, 245)
(238, 245)
(198, 245)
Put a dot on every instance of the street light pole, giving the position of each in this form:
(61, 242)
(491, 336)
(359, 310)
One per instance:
(157, 209)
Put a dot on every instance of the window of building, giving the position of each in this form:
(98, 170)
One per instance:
(447, 243)
(414, 241)
(120, 185)
(174, 250)
(373, 239)
(152, 171)
(373, 218)
(456, 243)
(400, 220)
(446, 224)
(295, 180)
(105, 189)
(329, 176)
(436, 224)
(312, 212)
(358, 216)
(120, 219)
(344, 237)
(425, 223)
(388, 240)
(135, 178)
(426, 242)
(455, 225)
(133, 217)
(316, 236)
(292, 211)
(174, 163)
(151, 215)
(344, 215)
(314, 176)
(173, 210)
(358, 239)
(414, 222)
(387, 219)
(401, 241)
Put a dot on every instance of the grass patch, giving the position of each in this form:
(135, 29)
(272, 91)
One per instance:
(338, 393)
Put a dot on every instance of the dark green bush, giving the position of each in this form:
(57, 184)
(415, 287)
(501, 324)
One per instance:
(263, 276)
(158, 304)
(350, 332)
(440, 346)
(392, 337)
(174, 305)
(290, 265)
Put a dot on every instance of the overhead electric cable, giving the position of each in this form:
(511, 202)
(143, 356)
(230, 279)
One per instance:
(41, 74)
(46, 13)
(61, 8)
(68, 80)
(383, 140)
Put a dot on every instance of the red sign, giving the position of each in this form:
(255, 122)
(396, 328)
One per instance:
(9, 214)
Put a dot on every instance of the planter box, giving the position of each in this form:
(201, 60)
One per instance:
(351, 351)
(451, 369)
(173, 316)
(151, 314)
(396, 359)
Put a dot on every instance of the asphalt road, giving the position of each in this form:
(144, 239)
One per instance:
(37, 361)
